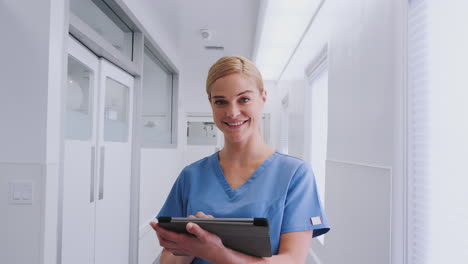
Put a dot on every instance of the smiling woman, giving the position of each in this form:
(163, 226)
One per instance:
(237, 107)
(245, 179)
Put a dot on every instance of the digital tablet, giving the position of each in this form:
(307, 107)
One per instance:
(250, 236)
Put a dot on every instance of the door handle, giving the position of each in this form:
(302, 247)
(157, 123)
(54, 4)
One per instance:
(101, 173)
(93, 174)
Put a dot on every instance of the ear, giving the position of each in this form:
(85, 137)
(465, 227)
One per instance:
(264, 96)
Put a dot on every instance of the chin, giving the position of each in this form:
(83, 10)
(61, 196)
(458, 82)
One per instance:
(238, 138)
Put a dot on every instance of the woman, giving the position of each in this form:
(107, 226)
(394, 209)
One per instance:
(247, 178)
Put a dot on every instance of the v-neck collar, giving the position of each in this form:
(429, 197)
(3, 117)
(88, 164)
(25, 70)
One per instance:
(233, 193)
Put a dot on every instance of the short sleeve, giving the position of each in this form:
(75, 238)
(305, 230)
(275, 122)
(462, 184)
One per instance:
(303, 208)
(176, 201)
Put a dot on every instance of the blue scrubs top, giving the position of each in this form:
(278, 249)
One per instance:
(281, 189)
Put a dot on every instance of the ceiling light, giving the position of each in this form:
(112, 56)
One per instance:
(284, 22)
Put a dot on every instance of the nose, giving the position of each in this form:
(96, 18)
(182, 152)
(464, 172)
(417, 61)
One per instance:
(232, 111)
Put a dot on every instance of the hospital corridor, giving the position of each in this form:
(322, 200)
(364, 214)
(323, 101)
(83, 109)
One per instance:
(104, 104)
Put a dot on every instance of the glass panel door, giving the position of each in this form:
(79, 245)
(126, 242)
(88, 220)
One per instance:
(114, 169)
(79, 172)
(79, 117)
(116, 110)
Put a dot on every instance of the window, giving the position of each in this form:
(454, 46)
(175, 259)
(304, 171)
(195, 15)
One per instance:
(437, 132)
(103, 20)
(79, 122)
(418, 139)
(316, 123)
(157, 103)
(116, 125)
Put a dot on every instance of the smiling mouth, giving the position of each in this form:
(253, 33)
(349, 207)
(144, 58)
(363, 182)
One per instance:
(236, 124)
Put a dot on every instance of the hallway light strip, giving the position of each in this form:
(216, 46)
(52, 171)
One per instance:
(300, 40)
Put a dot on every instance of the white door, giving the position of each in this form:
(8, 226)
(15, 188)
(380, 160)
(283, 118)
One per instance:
(114, 140)
(79, 180)
(97, 160)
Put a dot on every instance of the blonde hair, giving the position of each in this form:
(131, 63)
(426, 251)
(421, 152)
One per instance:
(233, 64)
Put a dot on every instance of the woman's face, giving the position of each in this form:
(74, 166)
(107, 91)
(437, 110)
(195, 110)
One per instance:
(237, 105)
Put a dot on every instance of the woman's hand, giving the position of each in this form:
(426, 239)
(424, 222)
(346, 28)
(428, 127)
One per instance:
(293, 246)
(201, 243)
(200, 215)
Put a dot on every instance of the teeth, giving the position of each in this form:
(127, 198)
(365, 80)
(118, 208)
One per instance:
(236, 124)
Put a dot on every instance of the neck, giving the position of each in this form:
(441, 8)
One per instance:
(252, 149)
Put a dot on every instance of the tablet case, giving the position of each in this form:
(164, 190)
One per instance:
(250, 236)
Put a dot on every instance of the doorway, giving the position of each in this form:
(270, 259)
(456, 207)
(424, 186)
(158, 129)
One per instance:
(97, 160)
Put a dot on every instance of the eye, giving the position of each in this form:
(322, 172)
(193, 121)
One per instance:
(244, 99)
(219, 102)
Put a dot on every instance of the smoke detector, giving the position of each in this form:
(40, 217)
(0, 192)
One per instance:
(205, 34)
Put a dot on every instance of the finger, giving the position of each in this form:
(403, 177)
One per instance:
(168, 235)
(178, 254)
(196, 230)
(176, 250)
(159, 237)
(164, 241)
(153, 225)
(167, 243)
(173, 250)
(191, 216)
(200, 214)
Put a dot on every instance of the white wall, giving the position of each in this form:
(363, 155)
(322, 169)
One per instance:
(159, 169)
(21, 225)
(32, 74)
(365, 78)
(365, 133)
(24, 69)
(296, 116)
(295, 91)
(447, 130)
(361, 82)
(232, 24)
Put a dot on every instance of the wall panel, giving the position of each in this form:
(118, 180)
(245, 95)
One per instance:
(358, 206)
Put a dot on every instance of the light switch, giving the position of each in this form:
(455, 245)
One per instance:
(16, 196)
(21, 192)
(26, 195)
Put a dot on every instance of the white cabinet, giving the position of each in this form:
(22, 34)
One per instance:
(97, 160)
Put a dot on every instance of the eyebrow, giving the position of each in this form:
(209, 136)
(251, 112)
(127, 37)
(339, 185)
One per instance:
(222, 96)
